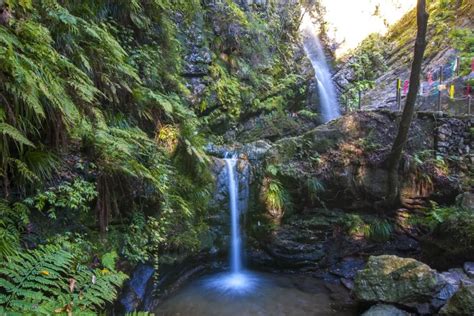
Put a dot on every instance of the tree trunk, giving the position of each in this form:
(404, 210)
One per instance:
(393, 194)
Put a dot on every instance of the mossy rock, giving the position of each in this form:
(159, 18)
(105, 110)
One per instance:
(391, 279)
(286, 149)
(462, 302)
(323, 138)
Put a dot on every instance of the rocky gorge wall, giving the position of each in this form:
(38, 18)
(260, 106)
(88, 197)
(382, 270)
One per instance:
(346, 158)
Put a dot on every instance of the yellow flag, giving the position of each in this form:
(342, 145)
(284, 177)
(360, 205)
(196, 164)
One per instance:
(451, 92)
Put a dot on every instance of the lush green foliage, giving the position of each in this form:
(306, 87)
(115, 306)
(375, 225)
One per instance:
(96, 80)
(274, 195)
(80, 72)
(368, 61)
(372, 228)
(463, 40)
(49, 280)
(13, 219)
(67, 196)
(252, 70)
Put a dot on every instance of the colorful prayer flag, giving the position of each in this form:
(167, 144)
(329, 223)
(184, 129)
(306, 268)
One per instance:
(451, 92)
(406, 84)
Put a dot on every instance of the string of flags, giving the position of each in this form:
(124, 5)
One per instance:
(433, 86)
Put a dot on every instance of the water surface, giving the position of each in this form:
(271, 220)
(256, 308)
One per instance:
(251, 293)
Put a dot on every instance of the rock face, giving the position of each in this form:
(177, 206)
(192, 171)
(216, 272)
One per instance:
(391, 279)
(348, 157)
(453, 137)
(133, 293)
(466, 200)
(462, 303)
(385, 310)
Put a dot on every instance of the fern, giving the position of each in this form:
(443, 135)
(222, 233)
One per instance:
(14, 134)
(47, 280)
(12, 219)
(315, 187)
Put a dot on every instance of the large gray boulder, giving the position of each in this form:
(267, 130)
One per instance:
(395, 280)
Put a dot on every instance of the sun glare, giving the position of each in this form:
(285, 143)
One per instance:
(350, 21)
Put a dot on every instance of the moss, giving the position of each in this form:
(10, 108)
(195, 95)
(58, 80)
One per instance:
(462, 303)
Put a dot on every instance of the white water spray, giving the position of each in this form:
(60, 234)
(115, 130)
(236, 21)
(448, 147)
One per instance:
(238, 281)
(315, 52)
(235, 245)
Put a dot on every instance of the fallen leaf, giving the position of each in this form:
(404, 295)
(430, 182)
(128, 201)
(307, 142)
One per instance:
(72, 284)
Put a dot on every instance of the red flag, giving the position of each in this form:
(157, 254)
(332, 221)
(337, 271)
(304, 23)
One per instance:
(405, 86)
(430, 78)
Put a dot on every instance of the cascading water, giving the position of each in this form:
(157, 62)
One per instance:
(238, 280)
(315, 52)
(241, 292)
(235, 244)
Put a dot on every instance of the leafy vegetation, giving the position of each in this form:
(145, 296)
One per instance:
(103, 127)
(367, 62)
(372, 228)
(49, 280)
(102, 141)
(273, 195)
(94, 80)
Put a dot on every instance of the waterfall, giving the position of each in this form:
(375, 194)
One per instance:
(315, 53)
(238, 280)
(235, 244)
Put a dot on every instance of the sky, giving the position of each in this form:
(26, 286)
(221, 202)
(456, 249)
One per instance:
(350, 21)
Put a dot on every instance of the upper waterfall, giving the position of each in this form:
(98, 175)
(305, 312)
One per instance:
(315, 52)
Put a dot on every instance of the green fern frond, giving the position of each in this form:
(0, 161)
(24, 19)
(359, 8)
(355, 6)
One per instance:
(14, 134)
(38, 281)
